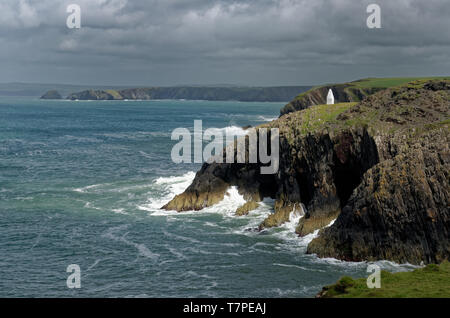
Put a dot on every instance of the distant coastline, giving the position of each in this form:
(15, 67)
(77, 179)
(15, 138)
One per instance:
(243, 94)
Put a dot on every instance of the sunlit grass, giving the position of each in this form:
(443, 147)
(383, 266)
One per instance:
(316, 117)
(430, 281)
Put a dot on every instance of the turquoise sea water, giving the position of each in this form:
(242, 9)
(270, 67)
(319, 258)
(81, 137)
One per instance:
(82, 183)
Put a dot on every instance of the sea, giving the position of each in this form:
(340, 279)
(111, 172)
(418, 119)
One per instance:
(82, 183)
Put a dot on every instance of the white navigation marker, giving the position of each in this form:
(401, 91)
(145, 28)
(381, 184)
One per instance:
(330, 97)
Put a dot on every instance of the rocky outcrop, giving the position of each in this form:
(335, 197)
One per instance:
(213, 180)
(381, 167)
(399, 211)
(109, 94)
(53, 94)
(137, 93)
(246, 208)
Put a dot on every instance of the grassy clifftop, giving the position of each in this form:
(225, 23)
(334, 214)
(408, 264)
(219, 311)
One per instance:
(348, 92)
(431, 281)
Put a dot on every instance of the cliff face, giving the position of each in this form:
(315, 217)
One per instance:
(399, 211)
(381, 167)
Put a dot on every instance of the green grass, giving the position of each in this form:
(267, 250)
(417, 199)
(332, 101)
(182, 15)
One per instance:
(308, 121)
(335, 118)
(432, 281)
(114, 93)
(384, 82)
(390, 81)
(319, 116)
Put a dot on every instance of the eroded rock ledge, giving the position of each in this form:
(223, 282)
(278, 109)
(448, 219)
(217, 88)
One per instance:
(381, 167)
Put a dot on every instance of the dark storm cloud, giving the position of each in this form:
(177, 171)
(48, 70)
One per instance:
(259, 42)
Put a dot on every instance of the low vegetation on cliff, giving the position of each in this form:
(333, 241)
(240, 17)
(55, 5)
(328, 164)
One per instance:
(347, 92)
(432, 281)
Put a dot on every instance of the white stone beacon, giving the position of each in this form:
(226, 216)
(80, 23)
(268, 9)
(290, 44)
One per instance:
(330, 97)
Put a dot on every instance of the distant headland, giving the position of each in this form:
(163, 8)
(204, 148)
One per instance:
(244, 94)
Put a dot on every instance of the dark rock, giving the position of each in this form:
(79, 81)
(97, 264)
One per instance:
(246, 208)
(400, 210)
(53, 94)
(109, 94)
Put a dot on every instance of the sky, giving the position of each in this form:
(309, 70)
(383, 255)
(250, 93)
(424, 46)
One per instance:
(210, 42)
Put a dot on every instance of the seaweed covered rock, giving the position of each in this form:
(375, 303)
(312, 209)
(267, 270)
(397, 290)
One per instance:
(246, 208)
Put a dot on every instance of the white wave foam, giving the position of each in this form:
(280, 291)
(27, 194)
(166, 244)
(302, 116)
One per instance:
(119, 211)
(85, 189)
(93, 265)
(230, 131)
(80, 139)
(294, 217)
(286, 231)
(142, 249)
(228, 206)
(264, 118)
(175, 252)
(170, 187)
(298, 267)
(254, 218)
(305, 240)
(384, 264)
(176, 185)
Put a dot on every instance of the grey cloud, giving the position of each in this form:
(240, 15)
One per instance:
(255, 42)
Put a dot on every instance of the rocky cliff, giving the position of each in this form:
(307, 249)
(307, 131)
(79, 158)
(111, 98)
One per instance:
(354, 91)
(91, 94)
(381, 167)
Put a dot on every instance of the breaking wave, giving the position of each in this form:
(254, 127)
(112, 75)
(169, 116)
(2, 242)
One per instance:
(229, 131)
(265, 118)
(167, 187)
(164, 189)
